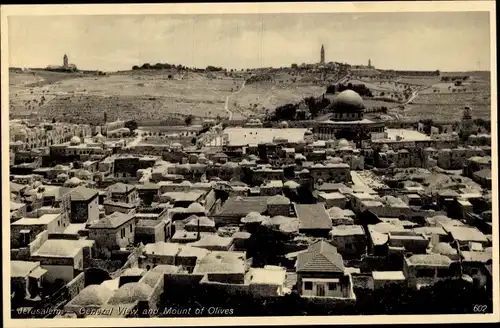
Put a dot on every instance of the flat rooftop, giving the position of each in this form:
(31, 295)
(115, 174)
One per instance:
(246, 136)
(406, 135)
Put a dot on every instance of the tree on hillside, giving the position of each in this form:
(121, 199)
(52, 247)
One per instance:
(135, 67)
(330, 89)
(131, 125)
(188, 120)
(146, 66)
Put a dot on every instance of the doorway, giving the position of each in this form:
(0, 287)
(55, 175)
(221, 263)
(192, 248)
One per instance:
(320, 290)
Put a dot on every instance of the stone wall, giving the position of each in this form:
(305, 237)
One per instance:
(76, 285)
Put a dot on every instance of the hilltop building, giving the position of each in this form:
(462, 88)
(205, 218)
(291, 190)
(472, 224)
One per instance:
(66, 66)
(322, 55)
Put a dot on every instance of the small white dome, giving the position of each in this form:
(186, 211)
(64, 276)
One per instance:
(343, 143)
(74, 181)
(253, 217)
(278, 200)
(74, 141)
(99, 138)
(196, 208)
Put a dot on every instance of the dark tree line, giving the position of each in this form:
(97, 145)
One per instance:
(359, 88)
(158, 66)
(131, 125)
(316, 105)
(214, 69)
(286, 112)
(454, 78)
(486, 124)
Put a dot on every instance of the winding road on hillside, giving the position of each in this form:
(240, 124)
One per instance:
(226, 104)
(413, 96)
(137, 139)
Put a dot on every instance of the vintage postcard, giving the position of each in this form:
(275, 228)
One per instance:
(249, 164)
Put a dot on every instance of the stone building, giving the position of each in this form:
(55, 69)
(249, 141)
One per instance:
(321, 273)
(347, 119)
(113, 232)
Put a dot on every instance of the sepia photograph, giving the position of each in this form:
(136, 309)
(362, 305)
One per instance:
(197, 164)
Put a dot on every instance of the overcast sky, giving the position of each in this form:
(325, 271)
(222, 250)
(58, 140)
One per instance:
(450, 41)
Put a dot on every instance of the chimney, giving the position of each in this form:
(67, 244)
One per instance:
(198, 229)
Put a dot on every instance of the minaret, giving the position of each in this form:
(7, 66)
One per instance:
(467, 121)
(65, 61)
(322, 60)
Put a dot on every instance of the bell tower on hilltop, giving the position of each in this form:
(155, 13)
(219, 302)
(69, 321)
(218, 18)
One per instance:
(322, 55)
(65, 61)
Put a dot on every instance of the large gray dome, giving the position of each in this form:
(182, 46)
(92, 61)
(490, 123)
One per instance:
(347, 101)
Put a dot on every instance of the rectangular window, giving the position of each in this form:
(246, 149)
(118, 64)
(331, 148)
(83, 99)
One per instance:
(443, 272)
(308, 285)
(130, 228)
(332, 286)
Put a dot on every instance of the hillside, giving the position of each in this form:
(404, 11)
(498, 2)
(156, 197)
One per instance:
(151, 95)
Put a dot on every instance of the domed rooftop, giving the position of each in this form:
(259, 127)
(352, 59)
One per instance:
(279, 220)
(252, 217)
(335, 212)
(291, 184)
(131, 292)
(22, 131)
(196, 207)
(335, 160)
(343, 143)
(30, 192)
(74, 141)
(99, 138)
(230, 165)
(444, 249)
(290, 227)
(347, 101)
(83, 173)
(93, 295)
(278, 200)
(74, 181)
(202, 220)
(284, 124)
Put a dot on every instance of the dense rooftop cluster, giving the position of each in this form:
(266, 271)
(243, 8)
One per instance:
(106, 218)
